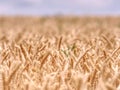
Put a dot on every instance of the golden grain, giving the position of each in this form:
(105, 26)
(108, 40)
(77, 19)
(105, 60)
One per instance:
(63, 53)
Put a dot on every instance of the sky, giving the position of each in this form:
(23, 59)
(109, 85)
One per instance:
(55, 7)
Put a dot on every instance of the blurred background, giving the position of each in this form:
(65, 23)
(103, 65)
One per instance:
(59, 7)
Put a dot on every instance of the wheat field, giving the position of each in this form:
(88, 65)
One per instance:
(60, 53)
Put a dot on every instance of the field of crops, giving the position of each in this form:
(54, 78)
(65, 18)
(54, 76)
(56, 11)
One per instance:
(60, 53)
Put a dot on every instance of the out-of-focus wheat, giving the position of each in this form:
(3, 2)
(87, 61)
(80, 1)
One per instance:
(59, 53)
